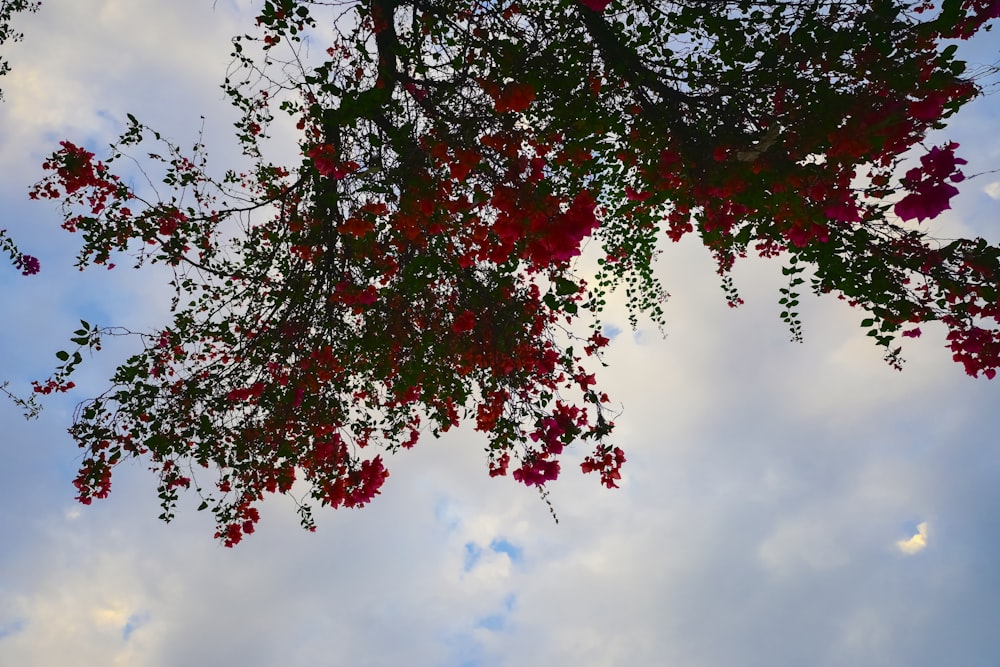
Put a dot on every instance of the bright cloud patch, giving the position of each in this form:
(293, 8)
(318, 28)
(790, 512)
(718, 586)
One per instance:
(115, 614)
(993, 189)
(915, 544)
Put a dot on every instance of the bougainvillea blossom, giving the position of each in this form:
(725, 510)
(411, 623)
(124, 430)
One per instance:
(930, 192)
(416, 267)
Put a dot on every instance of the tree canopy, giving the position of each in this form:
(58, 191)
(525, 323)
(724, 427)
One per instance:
(419, 264)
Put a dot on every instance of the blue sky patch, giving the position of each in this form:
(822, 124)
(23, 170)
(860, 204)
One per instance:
(502, 546)
(472, 555)
(134, 622)
(12, 627)
(493, 622)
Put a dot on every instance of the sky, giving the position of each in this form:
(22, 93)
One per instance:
(783, 504)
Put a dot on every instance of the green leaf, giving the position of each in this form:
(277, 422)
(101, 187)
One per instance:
(62, 355)
(565, 287)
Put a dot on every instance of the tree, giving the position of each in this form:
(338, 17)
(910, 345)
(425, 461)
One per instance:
(8, 8)
(417, 266)
(27, 264)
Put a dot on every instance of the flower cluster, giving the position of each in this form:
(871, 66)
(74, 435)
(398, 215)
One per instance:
(930, 190)
(607, 461)
(28, 264)
(327, 163)
(415, 267)
(76, 170)
(515, 97)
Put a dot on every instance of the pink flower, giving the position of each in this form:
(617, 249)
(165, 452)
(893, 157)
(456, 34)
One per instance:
(536, 471)
(418, 93)
(943, 163)
(845, 211)
(28, 264)
(929, 108)
(929, 193)
(926, 203)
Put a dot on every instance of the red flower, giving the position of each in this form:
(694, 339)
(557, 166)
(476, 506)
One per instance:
(170, 222)
(325, 160)
(801, 235)
(634, 195)
(563, 235)
(597, 341)
(515, 97)
(418, 93)
(596, 5)
(930, 108)
(608, 462)
(356, 227)
(368, 296)
(464, 322)
(498, 468)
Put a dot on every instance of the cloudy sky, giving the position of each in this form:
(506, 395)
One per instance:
(783, 505)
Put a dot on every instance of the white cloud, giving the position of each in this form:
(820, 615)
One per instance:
(803, 542)
(748, 456)
(915, 543)
(76, 613)
(993, 190)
